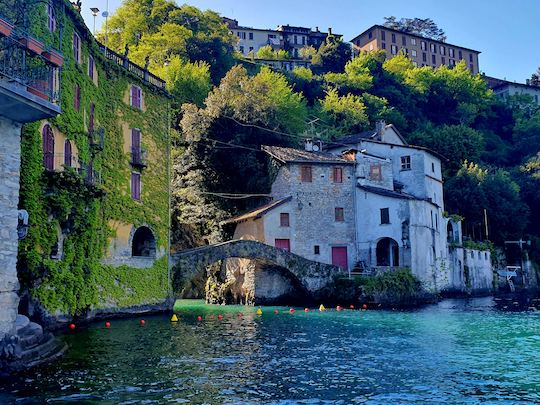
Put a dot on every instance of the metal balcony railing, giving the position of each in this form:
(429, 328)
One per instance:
(138, 157)
(58, 161)
(91, 176)
(96, 137)
(28, 63)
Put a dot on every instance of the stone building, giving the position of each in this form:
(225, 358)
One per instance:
(389, 197)
(421, 50)
(94, 179)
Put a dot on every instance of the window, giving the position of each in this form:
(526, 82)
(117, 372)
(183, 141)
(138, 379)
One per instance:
(413, 53)
(338, 214)
(383, 35)
(424, 57)
(375, 173)
(135, 99)
(284, 219)
(404, 40)
(241, 49)
(442, 50)
(68, 153)
(136, 156)
(48, 148)
(470, 57)
(433, 167)
(51, 19)
(306, 174)
(296, 39)
(423, 45)
(316, 250)
(284, 244)
(443, 60)
(451, 52)
(303, 40)
(436, 222)
(385, 216)
(405, 163)
(76, 48)
(471, 67)
(91, 67)
(241, 35)
(393, 49)
(383, 45)
(337, 174)
(136, 186)
(77, 98)
(251, 49)
(251, 36)
(91, 118)
(432, 48)
(393, 38)
(485, 255)
(460, 55)
(413, 41)
(433, 59)
(432, 219)
(370, 35)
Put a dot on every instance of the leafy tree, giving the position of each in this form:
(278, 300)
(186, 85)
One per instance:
(308, 52)
(535, 78)
(346, 114)
(187, 82)
(474, 189)
(332, 55)
(267, 52)
(424, 27)
(526, 138)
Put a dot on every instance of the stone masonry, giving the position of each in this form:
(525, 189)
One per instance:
(10, 162)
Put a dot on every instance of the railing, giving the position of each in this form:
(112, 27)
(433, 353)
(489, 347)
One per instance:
(56, 161)
(138, 157)
(96, 138)
(91, 176)
(28, 63)
(142, 73)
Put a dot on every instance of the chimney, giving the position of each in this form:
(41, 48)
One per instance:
(308, 145)
(330, 31)
(380, 128)
(528, 82)
(317, 29)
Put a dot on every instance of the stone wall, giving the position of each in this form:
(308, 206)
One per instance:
(10, 163)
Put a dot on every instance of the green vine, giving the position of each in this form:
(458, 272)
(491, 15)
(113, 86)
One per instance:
(62, 200)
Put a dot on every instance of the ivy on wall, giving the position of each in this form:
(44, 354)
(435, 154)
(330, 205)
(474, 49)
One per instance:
(62, 200)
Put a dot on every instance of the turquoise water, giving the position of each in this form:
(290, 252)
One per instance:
(456, 352)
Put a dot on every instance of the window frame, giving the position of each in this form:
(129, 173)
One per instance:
(139, 97)
(136, 186)
(284, 220)
(337, 174)
(339, 214)
(385, 216)
(76, 48)
(375, 175)
(304, 171)
(405, 162)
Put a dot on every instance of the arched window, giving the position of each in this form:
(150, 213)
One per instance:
(48, 148)
(450, 232)
(144, 243)
(68, 154)
(387, 252)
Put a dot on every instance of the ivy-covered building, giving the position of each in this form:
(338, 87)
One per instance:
(94, 179)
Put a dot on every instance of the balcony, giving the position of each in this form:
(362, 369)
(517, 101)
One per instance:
(29, 76)
(138, 158)
(96, 138)
(91, 177)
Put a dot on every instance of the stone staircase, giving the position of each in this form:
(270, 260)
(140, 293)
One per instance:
(29, 347)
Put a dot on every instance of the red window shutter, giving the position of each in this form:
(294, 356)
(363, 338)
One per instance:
(338, 175)
(306, 174)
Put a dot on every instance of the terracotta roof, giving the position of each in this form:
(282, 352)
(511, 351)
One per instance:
(257, 212)
(286, 155)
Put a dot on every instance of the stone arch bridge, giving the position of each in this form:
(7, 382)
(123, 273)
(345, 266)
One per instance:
(313, 276)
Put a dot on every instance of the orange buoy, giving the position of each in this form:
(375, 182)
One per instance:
(338, 308)
(364, 306)
(72, 326)
(142, 322)
(199, 318)
(291, 310)
(107, 324)
(276, 312)
(306, 309)
(220, 317)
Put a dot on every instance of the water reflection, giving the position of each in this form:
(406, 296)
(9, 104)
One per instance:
(457, 351)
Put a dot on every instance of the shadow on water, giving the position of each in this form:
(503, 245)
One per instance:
(456, 351)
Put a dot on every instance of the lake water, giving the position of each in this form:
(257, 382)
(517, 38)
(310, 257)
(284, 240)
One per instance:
(456, 351)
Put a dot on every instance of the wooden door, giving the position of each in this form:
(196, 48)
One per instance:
(339, 257)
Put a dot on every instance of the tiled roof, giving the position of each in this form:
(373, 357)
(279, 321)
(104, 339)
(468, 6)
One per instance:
(300, 155)
(257, 212)
(387, 193)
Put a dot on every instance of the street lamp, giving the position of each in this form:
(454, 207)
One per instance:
(95, 12)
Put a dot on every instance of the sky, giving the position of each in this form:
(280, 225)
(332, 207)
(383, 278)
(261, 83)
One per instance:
(506, 32)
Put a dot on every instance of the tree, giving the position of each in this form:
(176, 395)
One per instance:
(535, 78)
(424, 27)
(308, 52)
(267, 52)
(344, 115)
(332, 56)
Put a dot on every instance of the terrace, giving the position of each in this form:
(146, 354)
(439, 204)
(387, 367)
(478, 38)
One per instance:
(29, 75)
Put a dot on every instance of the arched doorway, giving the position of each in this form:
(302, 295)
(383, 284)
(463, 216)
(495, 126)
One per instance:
(48, 148)
(387, 252)
(143, 243)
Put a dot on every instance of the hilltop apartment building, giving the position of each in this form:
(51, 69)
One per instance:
(421, 50)
(287, 37)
